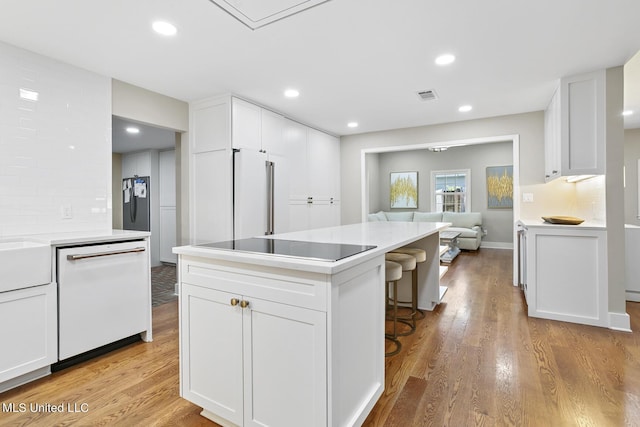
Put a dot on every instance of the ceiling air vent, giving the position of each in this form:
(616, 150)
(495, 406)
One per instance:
(428, 95)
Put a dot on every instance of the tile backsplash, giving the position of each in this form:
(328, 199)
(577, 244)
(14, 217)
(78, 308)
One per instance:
(55, 146)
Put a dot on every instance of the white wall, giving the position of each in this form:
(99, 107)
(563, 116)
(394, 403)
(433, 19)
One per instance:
(116, 184)
(529, 127)
(136, 103)
(54, 152)
(631, 157)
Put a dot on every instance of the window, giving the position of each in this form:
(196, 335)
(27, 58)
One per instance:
(451, 190)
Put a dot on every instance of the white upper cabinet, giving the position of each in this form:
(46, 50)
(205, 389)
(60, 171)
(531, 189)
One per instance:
(246, 125)
(209, 128)
(273, 140)
(256, 128)
(323, 152)
(575, 127)
(296, 139)
(552, 139)
(137, 164)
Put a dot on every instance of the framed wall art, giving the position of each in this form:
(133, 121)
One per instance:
(403, 190)
(500, 187)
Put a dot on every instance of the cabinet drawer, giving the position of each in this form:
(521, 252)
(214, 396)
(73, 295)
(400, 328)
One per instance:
(269, 284)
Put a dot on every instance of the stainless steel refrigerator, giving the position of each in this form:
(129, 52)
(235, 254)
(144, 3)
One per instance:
(260, 194)
(136, 209)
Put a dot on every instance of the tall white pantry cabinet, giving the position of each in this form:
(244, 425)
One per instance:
(221, 124)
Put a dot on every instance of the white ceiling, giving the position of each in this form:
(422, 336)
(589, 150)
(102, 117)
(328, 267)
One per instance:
(149, 137)
(351, 60)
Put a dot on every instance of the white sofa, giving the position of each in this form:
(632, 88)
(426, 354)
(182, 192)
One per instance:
(468, 224)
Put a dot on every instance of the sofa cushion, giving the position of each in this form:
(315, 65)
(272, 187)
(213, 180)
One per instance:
(380, 216)
(399, 216)
(464, 232)
(427, 217)
(373, 217)
(462, 219)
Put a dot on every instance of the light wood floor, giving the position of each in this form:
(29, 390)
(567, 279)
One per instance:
(476, 360)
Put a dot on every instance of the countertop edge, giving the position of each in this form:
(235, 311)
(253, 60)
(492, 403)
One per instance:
(542, 224)
(85, 237)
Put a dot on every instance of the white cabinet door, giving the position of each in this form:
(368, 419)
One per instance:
(211, 200)
(136, 164)
(167, 234)
(210, 125)
(211, 351)
(29, 333)
(273, 139)
(167, 177)
(282, 181)
(246, 125)
(285, 365)
(575, 127)
(296, 138)
(567, 275)
(583, 123)
(250, 194)
(323, 165)
(552, 138)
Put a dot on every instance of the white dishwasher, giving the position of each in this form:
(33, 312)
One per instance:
(104, 295)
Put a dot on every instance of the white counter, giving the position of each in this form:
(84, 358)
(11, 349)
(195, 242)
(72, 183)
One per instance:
(587, 225)
(87, 237)
(386, 236)
(275, 340)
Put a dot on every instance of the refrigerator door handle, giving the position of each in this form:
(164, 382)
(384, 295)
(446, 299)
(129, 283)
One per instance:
(270, 196)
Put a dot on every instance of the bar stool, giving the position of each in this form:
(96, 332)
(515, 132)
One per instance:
(392, 273)
(408, 263)
(421, 256)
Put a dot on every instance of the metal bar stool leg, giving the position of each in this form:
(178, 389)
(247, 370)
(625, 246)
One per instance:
(393, 273)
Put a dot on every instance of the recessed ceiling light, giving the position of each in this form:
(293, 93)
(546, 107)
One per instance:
(352, 124)
(291, 93)
(445, 59)
(29, 95)
(465, 108)
(132, 129)
(164, 28)
(627, 113)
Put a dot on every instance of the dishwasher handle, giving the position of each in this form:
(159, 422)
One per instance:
(108, 253)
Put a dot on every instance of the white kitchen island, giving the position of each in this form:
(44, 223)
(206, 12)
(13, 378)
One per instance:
(287, 341)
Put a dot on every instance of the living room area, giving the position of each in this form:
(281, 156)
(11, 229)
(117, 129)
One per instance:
(468, 185)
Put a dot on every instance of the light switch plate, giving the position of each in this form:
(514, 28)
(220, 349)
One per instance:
(527, 197)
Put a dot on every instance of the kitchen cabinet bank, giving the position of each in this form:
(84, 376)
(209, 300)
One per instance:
(566, 273)
(38, 314)
(230, 141)
(285, 341)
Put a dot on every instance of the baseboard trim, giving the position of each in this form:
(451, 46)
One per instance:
(633, 296)
(620, 322)
(496, 245)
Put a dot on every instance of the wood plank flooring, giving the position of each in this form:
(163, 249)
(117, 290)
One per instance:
(477, 360)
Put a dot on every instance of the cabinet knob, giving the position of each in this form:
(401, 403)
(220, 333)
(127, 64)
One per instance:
(554, 172)
(234, 301)
(244, 304)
